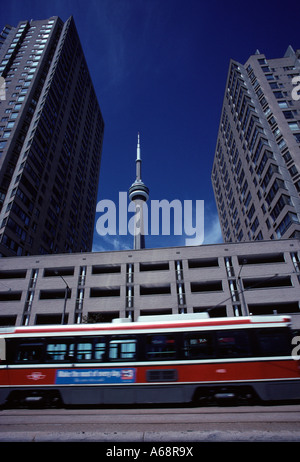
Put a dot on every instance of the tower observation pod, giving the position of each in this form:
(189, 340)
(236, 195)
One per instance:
(139, 194)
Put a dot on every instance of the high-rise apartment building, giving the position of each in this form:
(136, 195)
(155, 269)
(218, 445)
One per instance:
(256, 170)
(51, 133)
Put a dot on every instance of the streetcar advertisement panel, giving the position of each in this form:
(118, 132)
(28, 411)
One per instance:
(116, 375)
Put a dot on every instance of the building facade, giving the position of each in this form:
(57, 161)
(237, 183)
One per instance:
(51, 133)
(256, 169)
(235, 279)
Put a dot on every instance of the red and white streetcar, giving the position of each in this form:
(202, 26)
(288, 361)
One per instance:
(176, 359)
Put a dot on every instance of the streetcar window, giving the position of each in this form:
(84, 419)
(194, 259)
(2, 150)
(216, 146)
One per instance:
(233, 344)
(274, 342)
(92, 348)
(61, 350)
(160, 347)
(122, 349)
(198, 345)
(99, 350)
(84, 351)
(30, 352)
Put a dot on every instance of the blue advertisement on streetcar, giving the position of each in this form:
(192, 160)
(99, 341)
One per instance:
(90, 376)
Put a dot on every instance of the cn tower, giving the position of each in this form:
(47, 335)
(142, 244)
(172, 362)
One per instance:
(139, 194)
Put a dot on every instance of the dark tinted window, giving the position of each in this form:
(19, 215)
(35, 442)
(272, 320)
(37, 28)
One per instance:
(198, 345)
(274, 342)
(30, 352)
(233, 344)
(160, 347)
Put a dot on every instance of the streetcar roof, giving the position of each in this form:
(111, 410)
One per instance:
(126, 326)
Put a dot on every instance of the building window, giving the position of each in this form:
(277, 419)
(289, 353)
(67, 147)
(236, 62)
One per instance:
(13, 274)
(106, 269)
(288, 220)
(154, 266)
(10, 296)
(207, 286)
(54, 294)
(293, 170)
(293, 126)
(287, 156)
(203, 262)
(155, 289)
(58, 272)
(273, 190)
(271, 170)
(273, 308)
(255, 225)
(288, 114)
(8, 320)
(278, 94)
(240, 235)
(297, 137)
(104, 292)
(267, 283)
(251, 212)
(283, 104)
(281, 203)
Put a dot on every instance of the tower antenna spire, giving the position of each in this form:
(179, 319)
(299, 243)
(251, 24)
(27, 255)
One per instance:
(138, 159)
(138, 149)
(139, 194)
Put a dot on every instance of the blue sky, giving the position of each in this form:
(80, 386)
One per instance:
(159, 67)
